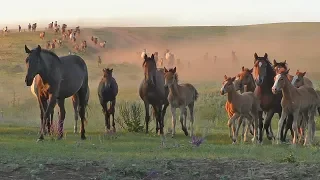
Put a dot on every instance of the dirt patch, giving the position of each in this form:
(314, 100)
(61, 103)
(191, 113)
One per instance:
(172, 169)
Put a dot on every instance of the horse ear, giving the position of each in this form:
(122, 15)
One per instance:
(111, 70)
(27, 49)
(255, 56)
(174, 70)
(145, 57)
(251, 70)
(287, 72)
(165, 69)
(274, 62)
(285, 61)
(38, 49)
(232, 79)
(152, 56)
(265, 55)
(304, 73)
(225, 77)
(242, 68)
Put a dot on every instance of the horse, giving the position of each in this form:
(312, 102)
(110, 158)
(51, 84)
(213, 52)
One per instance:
(300, 80)
(180, 96)
(152, 92)
(83, 45)
(40, 90)
(50, 25)
(107, 92)
(296, 101)
(103, 44)
(245, 83)
(170, 59)
(264, 74)
(280, 67)
(99, 61)
(55, 24)
(29, 27)
(244, 105)
(34, 27)
(66, 76)
(78, 29)
(143, 53)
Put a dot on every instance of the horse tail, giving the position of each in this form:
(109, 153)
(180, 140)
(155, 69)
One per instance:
(196, 94)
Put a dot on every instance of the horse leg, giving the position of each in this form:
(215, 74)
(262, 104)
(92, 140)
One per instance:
(311, 122)
(191, 108)
(267, 124)
(260, 127)
(50, 123)
(112, 106)
(62, 115)
(157, 114)
(163, 112)
(75, 103)
(302, 125)
(240, 120)
(295, 126)
(182, 110)
(232, 122)
(41, 114)
(147, 116)
(82, 95)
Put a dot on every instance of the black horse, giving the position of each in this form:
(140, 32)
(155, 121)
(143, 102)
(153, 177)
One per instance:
(107, 92)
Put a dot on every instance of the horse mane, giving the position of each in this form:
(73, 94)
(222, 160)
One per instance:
(51, 53)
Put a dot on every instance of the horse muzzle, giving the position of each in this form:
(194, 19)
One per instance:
(275, 90)
(28, 81)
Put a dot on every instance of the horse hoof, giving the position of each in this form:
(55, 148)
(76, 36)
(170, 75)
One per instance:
(234, 142)
(83, 137)
(39, 140)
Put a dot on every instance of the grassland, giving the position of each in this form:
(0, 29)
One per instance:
(128, 155)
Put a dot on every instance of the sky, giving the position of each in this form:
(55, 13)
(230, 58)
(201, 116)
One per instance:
(159, 12)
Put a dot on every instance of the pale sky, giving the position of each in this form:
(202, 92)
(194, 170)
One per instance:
(158, 12)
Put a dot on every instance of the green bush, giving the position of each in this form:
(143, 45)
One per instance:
(130, 116)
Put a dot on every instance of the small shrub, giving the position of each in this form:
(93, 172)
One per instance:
(130, 116)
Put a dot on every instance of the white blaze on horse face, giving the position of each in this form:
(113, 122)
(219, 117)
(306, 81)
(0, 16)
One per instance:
(294, 79)
(260, 64)
(223, 87)
(276, 82)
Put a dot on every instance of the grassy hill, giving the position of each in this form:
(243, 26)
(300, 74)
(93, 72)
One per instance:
(136, 155)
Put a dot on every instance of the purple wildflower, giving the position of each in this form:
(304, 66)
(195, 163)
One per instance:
(196, 140)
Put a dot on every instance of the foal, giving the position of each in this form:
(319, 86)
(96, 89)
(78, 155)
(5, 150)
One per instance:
(244, 105)
(180, 96)
(296, 101)
(108, 91)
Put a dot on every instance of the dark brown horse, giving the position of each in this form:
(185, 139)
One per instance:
(66, 76)
(264, 74)
(153, 92)
(107, 92)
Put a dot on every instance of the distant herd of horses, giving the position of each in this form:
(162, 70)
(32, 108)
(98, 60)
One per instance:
(265, 89)
(70, 33)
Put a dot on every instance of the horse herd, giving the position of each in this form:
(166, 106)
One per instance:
(271, 89)
(264, 89)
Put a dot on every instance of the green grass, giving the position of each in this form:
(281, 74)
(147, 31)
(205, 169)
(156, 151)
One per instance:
(127, 155)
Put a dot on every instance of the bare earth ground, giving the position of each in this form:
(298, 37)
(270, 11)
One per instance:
(177, 169)
(22, 158)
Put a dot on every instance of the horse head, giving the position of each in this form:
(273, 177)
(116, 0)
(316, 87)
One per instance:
(262, 69)
(150, 68)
